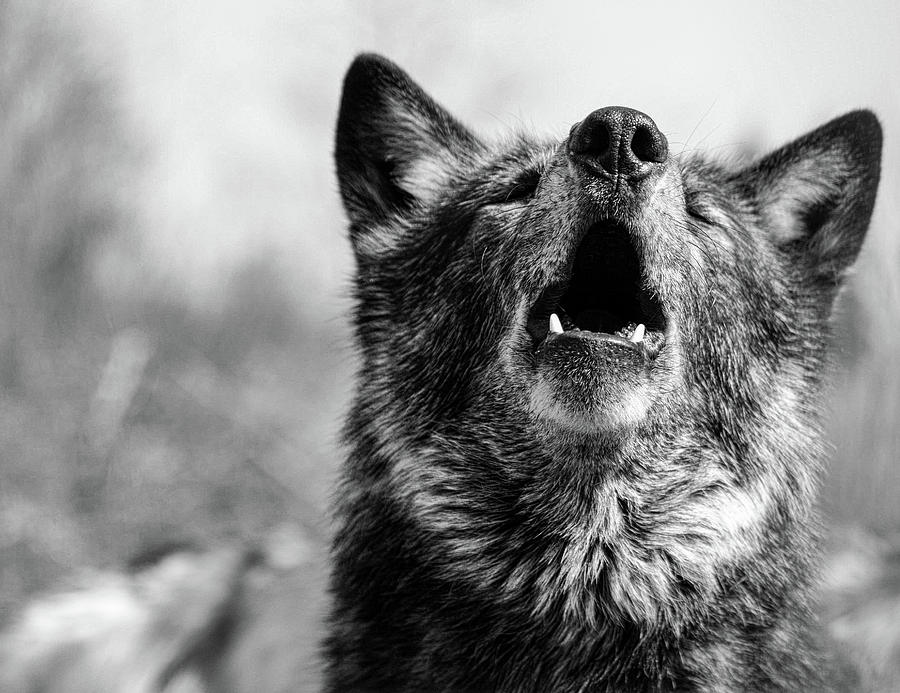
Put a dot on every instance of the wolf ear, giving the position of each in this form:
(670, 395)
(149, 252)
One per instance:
(816, 194)
(395, 146)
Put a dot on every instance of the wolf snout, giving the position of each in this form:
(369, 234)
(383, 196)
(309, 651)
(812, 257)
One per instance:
(618, 141)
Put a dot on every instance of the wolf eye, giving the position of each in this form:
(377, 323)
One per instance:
(524, 187)
(696, 210)
(699, 215)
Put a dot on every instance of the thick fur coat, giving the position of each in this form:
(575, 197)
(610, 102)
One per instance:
(624, 499)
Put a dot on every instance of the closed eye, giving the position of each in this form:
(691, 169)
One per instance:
(700, 215)
(524, 187)
(696, 209)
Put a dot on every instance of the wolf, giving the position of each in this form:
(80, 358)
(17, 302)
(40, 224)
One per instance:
(585, 445)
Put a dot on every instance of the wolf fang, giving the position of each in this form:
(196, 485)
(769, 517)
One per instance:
(483, 546)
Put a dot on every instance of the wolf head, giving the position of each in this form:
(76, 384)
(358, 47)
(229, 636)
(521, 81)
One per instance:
(590, 366)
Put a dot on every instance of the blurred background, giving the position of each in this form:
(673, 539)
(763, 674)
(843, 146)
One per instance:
(174, 352)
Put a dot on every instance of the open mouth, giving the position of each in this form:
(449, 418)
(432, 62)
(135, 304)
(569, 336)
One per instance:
(604, 295)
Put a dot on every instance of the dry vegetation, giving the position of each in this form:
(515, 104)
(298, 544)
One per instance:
(129, 417)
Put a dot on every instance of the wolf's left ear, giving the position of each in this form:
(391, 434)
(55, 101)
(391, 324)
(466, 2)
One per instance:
(394, 146)
(816, 194)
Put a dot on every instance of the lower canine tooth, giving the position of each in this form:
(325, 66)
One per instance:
(638, 335)
(555, 324)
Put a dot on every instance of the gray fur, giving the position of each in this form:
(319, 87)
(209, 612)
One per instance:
(566, 517)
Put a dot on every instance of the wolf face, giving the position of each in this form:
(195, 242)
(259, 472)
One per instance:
(585, 432)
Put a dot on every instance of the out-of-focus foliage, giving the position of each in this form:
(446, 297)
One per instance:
(129, 417)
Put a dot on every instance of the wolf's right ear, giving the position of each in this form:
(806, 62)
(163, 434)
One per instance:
(395, 146)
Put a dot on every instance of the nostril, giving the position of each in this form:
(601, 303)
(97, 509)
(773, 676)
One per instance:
(648, 144)
(595, 140)
(590, 138)
(642, 143)
(599, 141)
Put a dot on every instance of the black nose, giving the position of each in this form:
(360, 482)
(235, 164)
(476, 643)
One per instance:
(619, 141)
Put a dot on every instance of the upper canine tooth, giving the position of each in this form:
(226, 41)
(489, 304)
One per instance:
(638, 335)
(555, 324)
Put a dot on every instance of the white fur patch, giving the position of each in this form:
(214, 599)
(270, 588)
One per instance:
(426, 162)
(381, 239)
(424, 177)
(791, 195)
(629, 409)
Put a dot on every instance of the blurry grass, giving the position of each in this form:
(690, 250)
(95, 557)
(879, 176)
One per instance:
(132, 418)
(863, 485)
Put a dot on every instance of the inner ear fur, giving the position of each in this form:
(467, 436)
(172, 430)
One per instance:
(395, 146)
(815, 195)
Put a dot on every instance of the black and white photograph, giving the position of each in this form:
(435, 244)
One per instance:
(408, 347)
